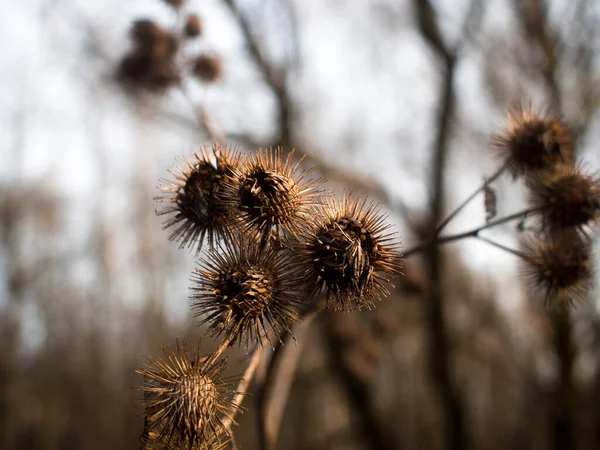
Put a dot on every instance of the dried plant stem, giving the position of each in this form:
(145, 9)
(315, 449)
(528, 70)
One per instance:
(470, 233)
(468, 200)
(243, 386)
(204, 119)
(273, 395)
(226, 343)
(503, 247)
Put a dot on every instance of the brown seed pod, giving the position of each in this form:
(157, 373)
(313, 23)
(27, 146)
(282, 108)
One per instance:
(185, 400)
(348, 255)
(192, 199)
(560, 268)
(569, 196)
(145, 32)
(242, 291)
(532, 142)
(151, 64)
(207, 68)
(270, 196)
(193, 26)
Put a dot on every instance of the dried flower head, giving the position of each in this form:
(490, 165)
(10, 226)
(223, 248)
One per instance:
(270, 196)
(146, 32)
(532, 142)
(348, 255)
(192, 199)
(185, 400)
(569, 196)
(193, 26)
(560, 268)
(151, 63)
(242, 291)
(207, 68)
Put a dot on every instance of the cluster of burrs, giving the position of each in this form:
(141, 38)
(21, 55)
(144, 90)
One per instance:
(564, 200)
(160, 58)
(276, 245)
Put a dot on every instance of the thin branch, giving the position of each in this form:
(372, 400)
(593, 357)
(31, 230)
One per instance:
(503, 247)
(481, 188)
(274, 393)
(243, 386)
(436, 241)
(376, 434)
(440, 362)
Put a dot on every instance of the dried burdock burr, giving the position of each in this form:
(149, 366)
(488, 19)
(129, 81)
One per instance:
(146, 32)
(151, 63)
(193, 26)
(532, 142)
(270, 196)
(567, 195)
(207, 68)
(191, 200)
(185, 400)
(560, 267)
(348, 254)
(243, 291)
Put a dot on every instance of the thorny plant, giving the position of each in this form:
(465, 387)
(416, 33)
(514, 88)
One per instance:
(281, 250)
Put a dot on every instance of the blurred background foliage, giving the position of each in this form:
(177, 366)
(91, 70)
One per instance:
(394, 99)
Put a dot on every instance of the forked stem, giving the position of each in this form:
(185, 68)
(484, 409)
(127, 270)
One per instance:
(468, 200)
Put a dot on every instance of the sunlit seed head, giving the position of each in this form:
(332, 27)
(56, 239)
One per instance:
(532, 142)
(243, 292)
(270, 195)
(348, 255)
(191, 201)
(184, 400)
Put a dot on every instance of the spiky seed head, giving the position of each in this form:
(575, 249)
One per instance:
(532, 142)
(185, 399)
(193, 26)
(243, 291)
(348, 253)
(569, 196)
(192, 200)
(270, 196)
(207, 68)
(560, 267)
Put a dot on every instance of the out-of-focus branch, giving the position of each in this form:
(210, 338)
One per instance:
(376, 435)
(563, 395)
(534, 18)
(274, 393)
(440, 364)
(276, 79)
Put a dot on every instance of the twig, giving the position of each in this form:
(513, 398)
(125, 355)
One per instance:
(470, 233)
(456, 436)
(376, 434)
(481, 188)
(243, 385)
(273, 395)
(503, 247)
